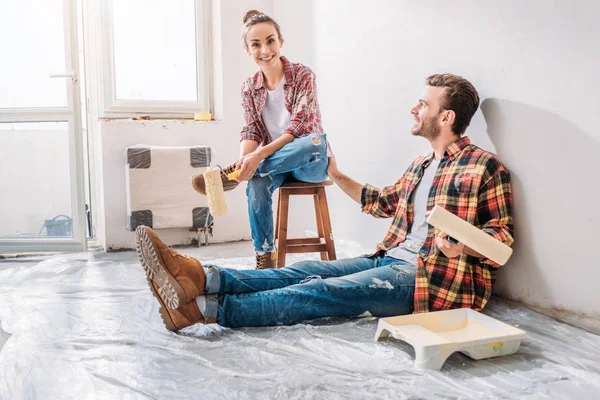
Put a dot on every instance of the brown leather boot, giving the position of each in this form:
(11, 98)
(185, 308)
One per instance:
(179, 278)
(184, 316)
(267, 260)
(200, 186)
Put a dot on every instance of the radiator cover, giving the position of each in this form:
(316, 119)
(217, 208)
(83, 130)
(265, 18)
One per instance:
(159, 192)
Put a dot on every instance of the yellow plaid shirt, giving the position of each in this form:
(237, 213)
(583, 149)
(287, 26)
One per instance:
(472, 184)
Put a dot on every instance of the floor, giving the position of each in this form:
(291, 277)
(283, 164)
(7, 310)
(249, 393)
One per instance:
(85, 326)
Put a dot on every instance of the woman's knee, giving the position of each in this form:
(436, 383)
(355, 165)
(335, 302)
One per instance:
(311, 143)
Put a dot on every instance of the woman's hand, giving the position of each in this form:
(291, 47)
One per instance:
(248, 166)
(450, 250)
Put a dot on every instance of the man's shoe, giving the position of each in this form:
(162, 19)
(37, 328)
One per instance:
(184, 316)
(267, 260)
(179, 278)
(200, 186)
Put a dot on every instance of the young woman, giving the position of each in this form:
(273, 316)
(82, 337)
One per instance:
(282, 138)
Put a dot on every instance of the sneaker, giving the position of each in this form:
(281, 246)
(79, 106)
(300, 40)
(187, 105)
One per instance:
(200, 186)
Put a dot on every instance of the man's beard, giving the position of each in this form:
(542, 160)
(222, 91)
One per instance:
(429, 129)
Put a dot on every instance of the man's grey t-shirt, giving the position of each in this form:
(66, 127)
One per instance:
(409, 249)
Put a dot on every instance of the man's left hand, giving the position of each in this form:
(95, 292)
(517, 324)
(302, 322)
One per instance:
(450, 250)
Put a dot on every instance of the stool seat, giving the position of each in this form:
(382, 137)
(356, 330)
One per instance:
(324, 242)
(298, 184)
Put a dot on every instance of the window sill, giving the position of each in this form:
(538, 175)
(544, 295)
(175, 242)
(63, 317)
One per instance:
(156, 118)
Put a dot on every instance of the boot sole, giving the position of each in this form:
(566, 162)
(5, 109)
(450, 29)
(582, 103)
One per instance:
(169, 290)
(162, 310)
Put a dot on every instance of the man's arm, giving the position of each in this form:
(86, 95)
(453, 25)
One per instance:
(452, 250)
(380, 203)
(494, 209)
(494, 212)
(347, 184)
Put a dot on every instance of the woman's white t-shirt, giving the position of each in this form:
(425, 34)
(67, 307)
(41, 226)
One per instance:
(274, 114)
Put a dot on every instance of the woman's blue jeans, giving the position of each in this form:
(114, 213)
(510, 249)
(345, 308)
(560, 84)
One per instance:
(304, 159)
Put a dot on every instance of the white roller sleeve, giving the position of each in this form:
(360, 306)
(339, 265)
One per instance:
(214, 192)
(469, 235)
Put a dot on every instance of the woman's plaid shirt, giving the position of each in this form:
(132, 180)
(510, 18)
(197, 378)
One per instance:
(300, 90)
(470, 183)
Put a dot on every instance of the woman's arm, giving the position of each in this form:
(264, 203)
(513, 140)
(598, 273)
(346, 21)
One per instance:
(248, 163)
(247, 146)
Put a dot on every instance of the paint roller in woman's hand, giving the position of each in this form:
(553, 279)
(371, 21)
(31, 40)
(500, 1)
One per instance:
(215, 194)
(469, 235)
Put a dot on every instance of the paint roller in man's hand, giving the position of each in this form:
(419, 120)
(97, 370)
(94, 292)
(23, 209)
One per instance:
(462, 231)
(215, 194)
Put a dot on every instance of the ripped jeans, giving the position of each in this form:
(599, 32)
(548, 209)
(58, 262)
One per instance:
(304, 159)
(377, 286)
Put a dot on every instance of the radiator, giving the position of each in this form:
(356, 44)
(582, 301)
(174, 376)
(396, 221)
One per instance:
(159, 192)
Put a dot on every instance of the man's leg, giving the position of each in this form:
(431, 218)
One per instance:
(383, 291)
(176, 279)
(230, 281)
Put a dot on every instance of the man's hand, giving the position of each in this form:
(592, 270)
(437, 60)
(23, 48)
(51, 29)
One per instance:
(348, 185)
(248, 166)
(450, 250)
(332, 169)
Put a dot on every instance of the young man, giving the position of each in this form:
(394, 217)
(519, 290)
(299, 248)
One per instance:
(414, 268)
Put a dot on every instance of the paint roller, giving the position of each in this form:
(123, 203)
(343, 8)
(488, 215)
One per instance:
(215, 195)
(459, 230)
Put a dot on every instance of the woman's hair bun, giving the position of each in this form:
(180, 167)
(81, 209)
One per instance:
(249, 14)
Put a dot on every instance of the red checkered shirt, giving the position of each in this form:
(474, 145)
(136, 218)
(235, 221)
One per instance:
(472, 184)
(300, 91)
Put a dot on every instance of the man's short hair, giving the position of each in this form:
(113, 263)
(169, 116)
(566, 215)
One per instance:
(461, 97)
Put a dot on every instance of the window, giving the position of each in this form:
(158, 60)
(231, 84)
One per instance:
(155, 57)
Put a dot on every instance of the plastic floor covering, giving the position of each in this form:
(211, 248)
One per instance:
(87, 327)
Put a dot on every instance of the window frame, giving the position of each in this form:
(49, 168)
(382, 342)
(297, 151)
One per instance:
(111, 107)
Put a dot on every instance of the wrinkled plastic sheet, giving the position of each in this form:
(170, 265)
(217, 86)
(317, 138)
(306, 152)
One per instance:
(81, 329)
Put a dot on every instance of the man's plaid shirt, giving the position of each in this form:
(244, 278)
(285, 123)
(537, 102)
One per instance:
(472, 184)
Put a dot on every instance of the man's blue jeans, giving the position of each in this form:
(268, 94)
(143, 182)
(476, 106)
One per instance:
(304, 159)
(377, 286)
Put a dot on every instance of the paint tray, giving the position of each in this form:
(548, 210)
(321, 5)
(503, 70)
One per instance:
(436, 335)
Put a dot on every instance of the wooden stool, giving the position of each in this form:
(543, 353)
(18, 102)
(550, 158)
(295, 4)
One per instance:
(322, 244)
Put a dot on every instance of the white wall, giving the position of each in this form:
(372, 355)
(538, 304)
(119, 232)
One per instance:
(535, 65)
(223, 137)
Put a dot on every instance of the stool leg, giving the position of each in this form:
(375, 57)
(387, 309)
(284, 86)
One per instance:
(284, 205)
(277, 221)
(319, 224)
(326, 223)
